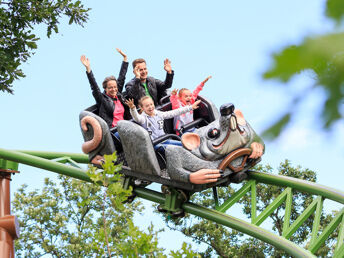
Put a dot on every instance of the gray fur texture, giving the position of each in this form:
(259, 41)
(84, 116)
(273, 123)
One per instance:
(138, 148)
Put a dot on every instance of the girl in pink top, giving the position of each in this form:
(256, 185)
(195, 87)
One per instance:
(184, 98)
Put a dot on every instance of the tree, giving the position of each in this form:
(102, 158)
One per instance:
(17, 40)
(323, 56)
(65, 220)
(75, 219)
(78, 219)
(225, 242)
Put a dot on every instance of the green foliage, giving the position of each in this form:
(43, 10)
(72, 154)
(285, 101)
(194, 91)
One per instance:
(111, 180)
(17, 40)
(324, 57)
(138, 243)
(76, 219)
(335, 9)
(186, 252)
(224, 242)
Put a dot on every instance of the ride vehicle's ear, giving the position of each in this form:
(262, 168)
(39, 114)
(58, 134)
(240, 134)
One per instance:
(240, 117)
(191, 141)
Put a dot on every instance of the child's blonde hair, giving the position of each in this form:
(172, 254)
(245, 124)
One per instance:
(144, 98)
(181, 91)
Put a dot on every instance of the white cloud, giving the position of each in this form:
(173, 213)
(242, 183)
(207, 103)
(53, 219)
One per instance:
(298, 138)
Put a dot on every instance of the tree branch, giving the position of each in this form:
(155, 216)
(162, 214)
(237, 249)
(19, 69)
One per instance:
(104, 222)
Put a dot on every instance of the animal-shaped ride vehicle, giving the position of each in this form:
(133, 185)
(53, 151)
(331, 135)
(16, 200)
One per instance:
(222, 141)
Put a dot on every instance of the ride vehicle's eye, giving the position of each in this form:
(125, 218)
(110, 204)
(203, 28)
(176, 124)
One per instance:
(213, 133)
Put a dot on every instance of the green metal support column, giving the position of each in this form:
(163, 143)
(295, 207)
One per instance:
(298, 184)
(249, 229)
(234, 223)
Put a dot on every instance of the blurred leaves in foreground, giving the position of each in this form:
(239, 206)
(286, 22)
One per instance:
(322, 55)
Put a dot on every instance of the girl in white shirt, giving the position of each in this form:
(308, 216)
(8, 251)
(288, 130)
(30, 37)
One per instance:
(153, 120)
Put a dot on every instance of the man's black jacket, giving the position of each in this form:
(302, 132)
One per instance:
(156, 88)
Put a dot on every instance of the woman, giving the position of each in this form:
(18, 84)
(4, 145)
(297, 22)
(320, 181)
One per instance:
(110, 102)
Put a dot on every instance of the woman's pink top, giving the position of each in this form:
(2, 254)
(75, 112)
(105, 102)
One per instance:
(118, 113)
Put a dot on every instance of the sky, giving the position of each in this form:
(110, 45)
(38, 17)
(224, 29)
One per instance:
(230, 40)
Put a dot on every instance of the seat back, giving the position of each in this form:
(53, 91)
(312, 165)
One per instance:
(168, 123)
(138, 148)
(206, 110)
(164, 100)
(93, 109)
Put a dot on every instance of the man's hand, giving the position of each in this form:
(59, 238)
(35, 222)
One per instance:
(136, 72)
(195, 105)
(167, 66)
(84, 60)
(257, 150)
(204, 176)
(206, 79)
(125, 59)
(130, 103)
(174, 92)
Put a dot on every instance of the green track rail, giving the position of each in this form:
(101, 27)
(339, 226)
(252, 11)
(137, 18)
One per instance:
(68, 164)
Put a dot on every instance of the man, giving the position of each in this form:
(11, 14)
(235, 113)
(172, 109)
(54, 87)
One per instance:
(144, 85)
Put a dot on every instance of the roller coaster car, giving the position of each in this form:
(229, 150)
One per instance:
(221, 141)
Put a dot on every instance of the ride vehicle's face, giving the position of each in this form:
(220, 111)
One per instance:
(219, 138)
(142, 69)
(186, 97)
(148, 107)
(111, 88)
(225, 136)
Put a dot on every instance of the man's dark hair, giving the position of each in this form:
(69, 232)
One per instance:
(138, 61)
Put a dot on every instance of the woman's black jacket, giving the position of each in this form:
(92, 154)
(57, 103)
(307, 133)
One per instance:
(105, 103)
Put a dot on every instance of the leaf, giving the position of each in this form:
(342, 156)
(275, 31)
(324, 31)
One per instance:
(31, 44)
(273, 131)
(335, 9)
(324, 55)
(313, 53)
(71, 20)
(17, 21)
